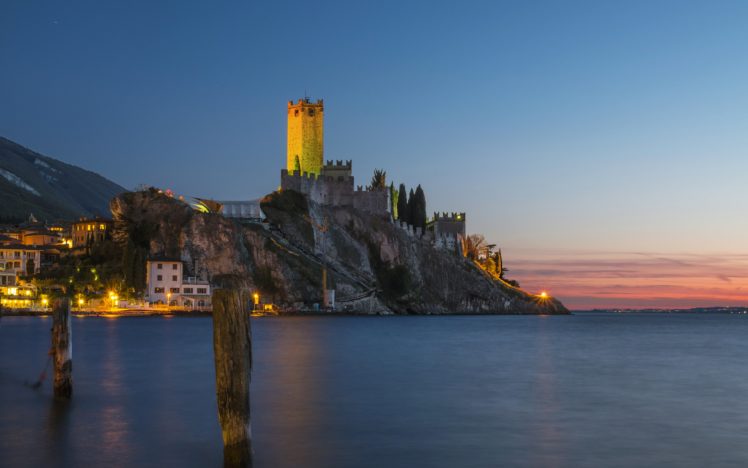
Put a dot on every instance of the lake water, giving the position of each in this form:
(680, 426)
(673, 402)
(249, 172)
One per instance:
(569, 391)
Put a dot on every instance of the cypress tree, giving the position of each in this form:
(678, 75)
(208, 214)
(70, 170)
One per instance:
(419, 208)
(393, 200)
(402, 204)
(411, 206)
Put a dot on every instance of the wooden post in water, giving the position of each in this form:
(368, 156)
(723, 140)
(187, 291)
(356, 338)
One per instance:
(62, 349)
(232, 348)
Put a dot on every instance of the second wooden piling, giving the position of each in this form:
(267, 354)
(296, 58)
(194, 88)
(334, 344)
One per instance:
(232, 348)
(62, 349)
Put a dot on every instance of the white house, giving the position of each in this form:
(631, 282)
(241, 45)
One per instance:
(167, 285)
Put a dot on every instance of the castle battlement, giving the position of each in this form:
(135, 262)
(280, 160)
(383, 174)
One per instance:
(449, 216)
(338, 164)
(306, 102)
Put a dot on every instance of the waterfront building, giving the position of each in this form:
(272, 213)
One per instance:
(167, 285)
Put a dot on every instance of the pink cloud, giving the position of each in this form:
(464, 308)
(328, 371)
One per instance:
(588, 279)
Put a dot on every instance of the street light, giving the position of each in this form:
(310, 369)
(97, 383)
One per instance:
(168, 299)
(113, 297)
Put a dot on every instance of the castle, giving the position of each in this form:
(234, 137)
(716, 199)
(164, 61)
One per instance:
(331, 183)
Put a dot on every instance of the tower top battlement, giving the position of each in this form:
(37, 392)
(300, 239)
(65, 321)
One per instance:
(306, 102)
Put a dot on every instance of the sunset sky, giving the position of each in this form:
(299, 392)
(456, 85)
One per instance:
(602, 145)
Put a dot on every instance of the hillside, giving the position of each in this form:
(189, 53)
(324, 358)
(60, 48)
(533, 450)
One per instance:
(374, 266)
(48, 188)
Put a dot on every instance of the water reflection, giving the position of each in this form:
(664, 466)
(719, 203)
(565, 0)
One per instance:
(58, 430)
(549, 437)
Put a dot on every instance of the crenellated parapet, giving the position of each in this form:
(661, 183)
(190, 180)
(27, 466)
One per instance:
(338, 164)
(452, 217)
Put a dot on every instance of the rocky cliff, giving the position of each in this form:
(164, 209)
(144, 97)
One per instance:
(374, 266)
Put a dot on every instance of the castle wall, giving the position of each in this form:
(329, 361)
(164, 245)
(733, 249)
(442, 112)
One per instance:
(323, 190)
(305, 136)
(371, 201)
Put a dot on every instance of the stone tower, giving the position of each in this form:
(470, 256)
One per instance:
(305, 135)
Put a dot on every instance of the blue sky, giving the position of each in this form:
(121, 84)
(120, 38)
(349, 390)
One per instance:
(565, 126)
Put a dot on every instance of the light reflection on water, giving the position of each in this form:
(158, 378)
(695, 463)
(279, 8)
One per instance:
(587, 390)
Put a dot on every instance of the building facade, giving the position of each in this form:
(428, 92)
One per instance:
(86, 232)
(167, 285)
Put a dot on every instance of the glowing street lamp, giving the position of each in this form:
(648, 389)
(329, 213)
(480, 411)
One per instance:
(113, 297)
(168, 299)
(543, 295)
(256, 298)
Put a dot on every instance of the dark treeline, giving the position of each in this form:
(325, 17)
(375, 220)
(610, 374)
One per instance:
(409, 206)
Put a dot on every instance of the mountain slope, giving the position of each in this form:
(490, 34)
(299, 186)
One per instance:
(48, 188)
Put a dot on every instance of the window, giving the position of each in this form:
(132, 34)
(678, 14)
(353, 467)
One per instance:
(174, 277)
(174, 290)
(158, 290)
(187, 290)
(174, 266)
(202, 290)
(311, 112)
(160, 266)
(17, 264)
(102, 227)
(159, 278)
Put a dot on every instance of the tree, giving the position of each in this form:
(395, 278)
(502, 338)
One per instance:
(473, 245)
(419, 209)
(297, 164)
(402, 204)
(490, 265)
(393, 200)
(379, 179)
(499, 264)
(411, 206)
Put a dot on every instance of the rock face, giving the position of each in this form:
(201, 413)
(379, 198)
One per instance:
(374, 266)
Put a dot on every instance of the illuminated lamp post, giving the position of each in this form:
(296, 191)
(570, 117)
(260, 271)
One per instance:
(168, 300)
(256, 298)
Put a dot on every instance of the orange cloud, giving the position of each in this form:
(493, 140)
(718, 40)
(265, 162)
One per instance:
(588, 279)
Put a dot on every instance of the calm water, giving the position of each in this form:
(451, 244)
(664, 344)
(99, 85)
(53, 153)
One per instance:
(585, 390)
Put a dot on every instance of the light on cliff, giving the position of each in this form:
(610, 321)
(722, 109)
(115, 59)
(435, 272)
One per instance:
(543, 295)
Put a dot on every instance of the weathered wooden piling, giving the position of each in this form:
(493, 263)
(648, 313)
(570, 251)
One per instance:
(62, 349)
(232, 348)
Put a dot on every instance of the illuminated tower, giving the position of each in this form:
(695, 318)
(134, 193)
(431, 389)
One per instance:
(305, 134)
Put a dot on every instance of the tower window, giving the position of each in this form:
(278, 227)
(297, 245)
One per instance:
(296, 112)
(311, 111)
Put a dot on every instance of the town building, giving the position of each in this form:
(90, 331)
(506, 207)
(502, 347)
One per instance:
(167, 285)
(86, 232)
